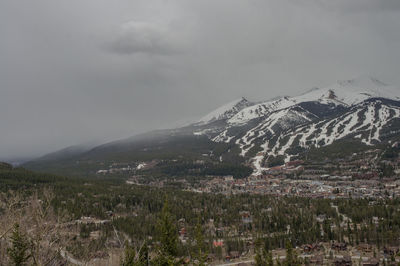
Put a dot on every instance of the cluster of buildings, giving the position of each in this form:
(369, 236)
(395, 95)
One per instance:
(343, 254)
(324, 187)
(357, 176)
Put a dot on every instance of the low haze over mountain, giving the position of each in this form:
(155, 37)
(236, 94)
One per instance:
(362, 110)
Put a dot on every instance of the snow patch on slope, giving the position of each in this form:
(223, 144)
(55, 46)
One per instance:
(369, 119)
(226, 111)
(284, 126)
(345, 93)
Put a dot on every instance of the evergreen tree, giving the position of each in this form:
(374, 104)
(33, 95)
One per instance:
(291, 256)
(200, 254)
(168, 236)
(19, 250)
(259, 258)
(269, 259)
(168, 232)
(263, 256)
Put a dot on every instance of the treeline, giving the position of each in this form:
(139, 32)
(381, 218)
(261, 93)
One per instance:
(18, 178)
(192, 168)
(135, 208)
(135, 212)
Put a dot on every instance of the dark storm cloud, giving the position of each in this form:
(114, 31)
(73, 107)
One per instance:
(81, 70)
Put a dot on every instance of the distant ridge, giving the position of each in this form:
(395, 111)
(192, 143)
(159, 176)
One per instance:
(364, 110)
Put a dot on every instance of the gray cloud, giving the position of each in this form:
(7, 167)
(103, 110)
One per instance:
(144, 37)
(75, 71)
(359, 6)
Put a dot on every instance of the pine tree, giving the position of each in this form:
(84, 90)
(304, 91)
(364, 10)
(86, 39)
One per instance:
(259, 259)
(291, 256)
(269, 259)
(263, 256)
(19, 250)
(168, 236)
(168, 232)
(201, 254)
(289, 253)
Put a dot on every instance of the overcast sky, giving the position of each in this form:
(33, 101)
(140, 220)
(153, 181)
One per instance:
(73, 71)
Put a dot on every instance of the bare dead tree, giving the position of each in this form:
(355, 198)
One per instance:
(37, 220)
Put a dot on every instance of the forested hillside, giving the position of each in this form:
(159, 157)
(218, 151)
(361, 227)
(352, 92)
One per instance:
(94, 218)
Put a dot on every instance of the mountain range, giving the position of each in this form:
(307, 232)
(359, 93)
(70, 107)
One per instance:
(363, 111)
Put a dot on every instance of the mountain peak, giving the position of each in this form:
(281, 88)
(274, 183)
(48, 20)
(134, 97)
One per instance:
(352, 91)
(343, 93)
(226, 111)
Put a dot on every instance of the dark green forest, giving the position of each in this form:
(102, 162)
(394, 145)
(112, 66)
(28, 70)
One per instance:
(135, 211)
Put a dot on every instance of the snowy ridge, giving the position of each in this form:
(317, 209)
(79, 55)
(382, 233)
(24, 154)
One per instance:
(226, 111)
(365, 122)
(345, 93)
(351, 92)
(277, 121)
(260, 110)
(364, 109)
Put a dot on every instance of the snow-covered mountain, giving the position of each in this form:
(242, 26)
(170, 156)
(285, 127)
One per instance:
(344, 93)
(363, 109)
(226, 111)
(362, 112)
